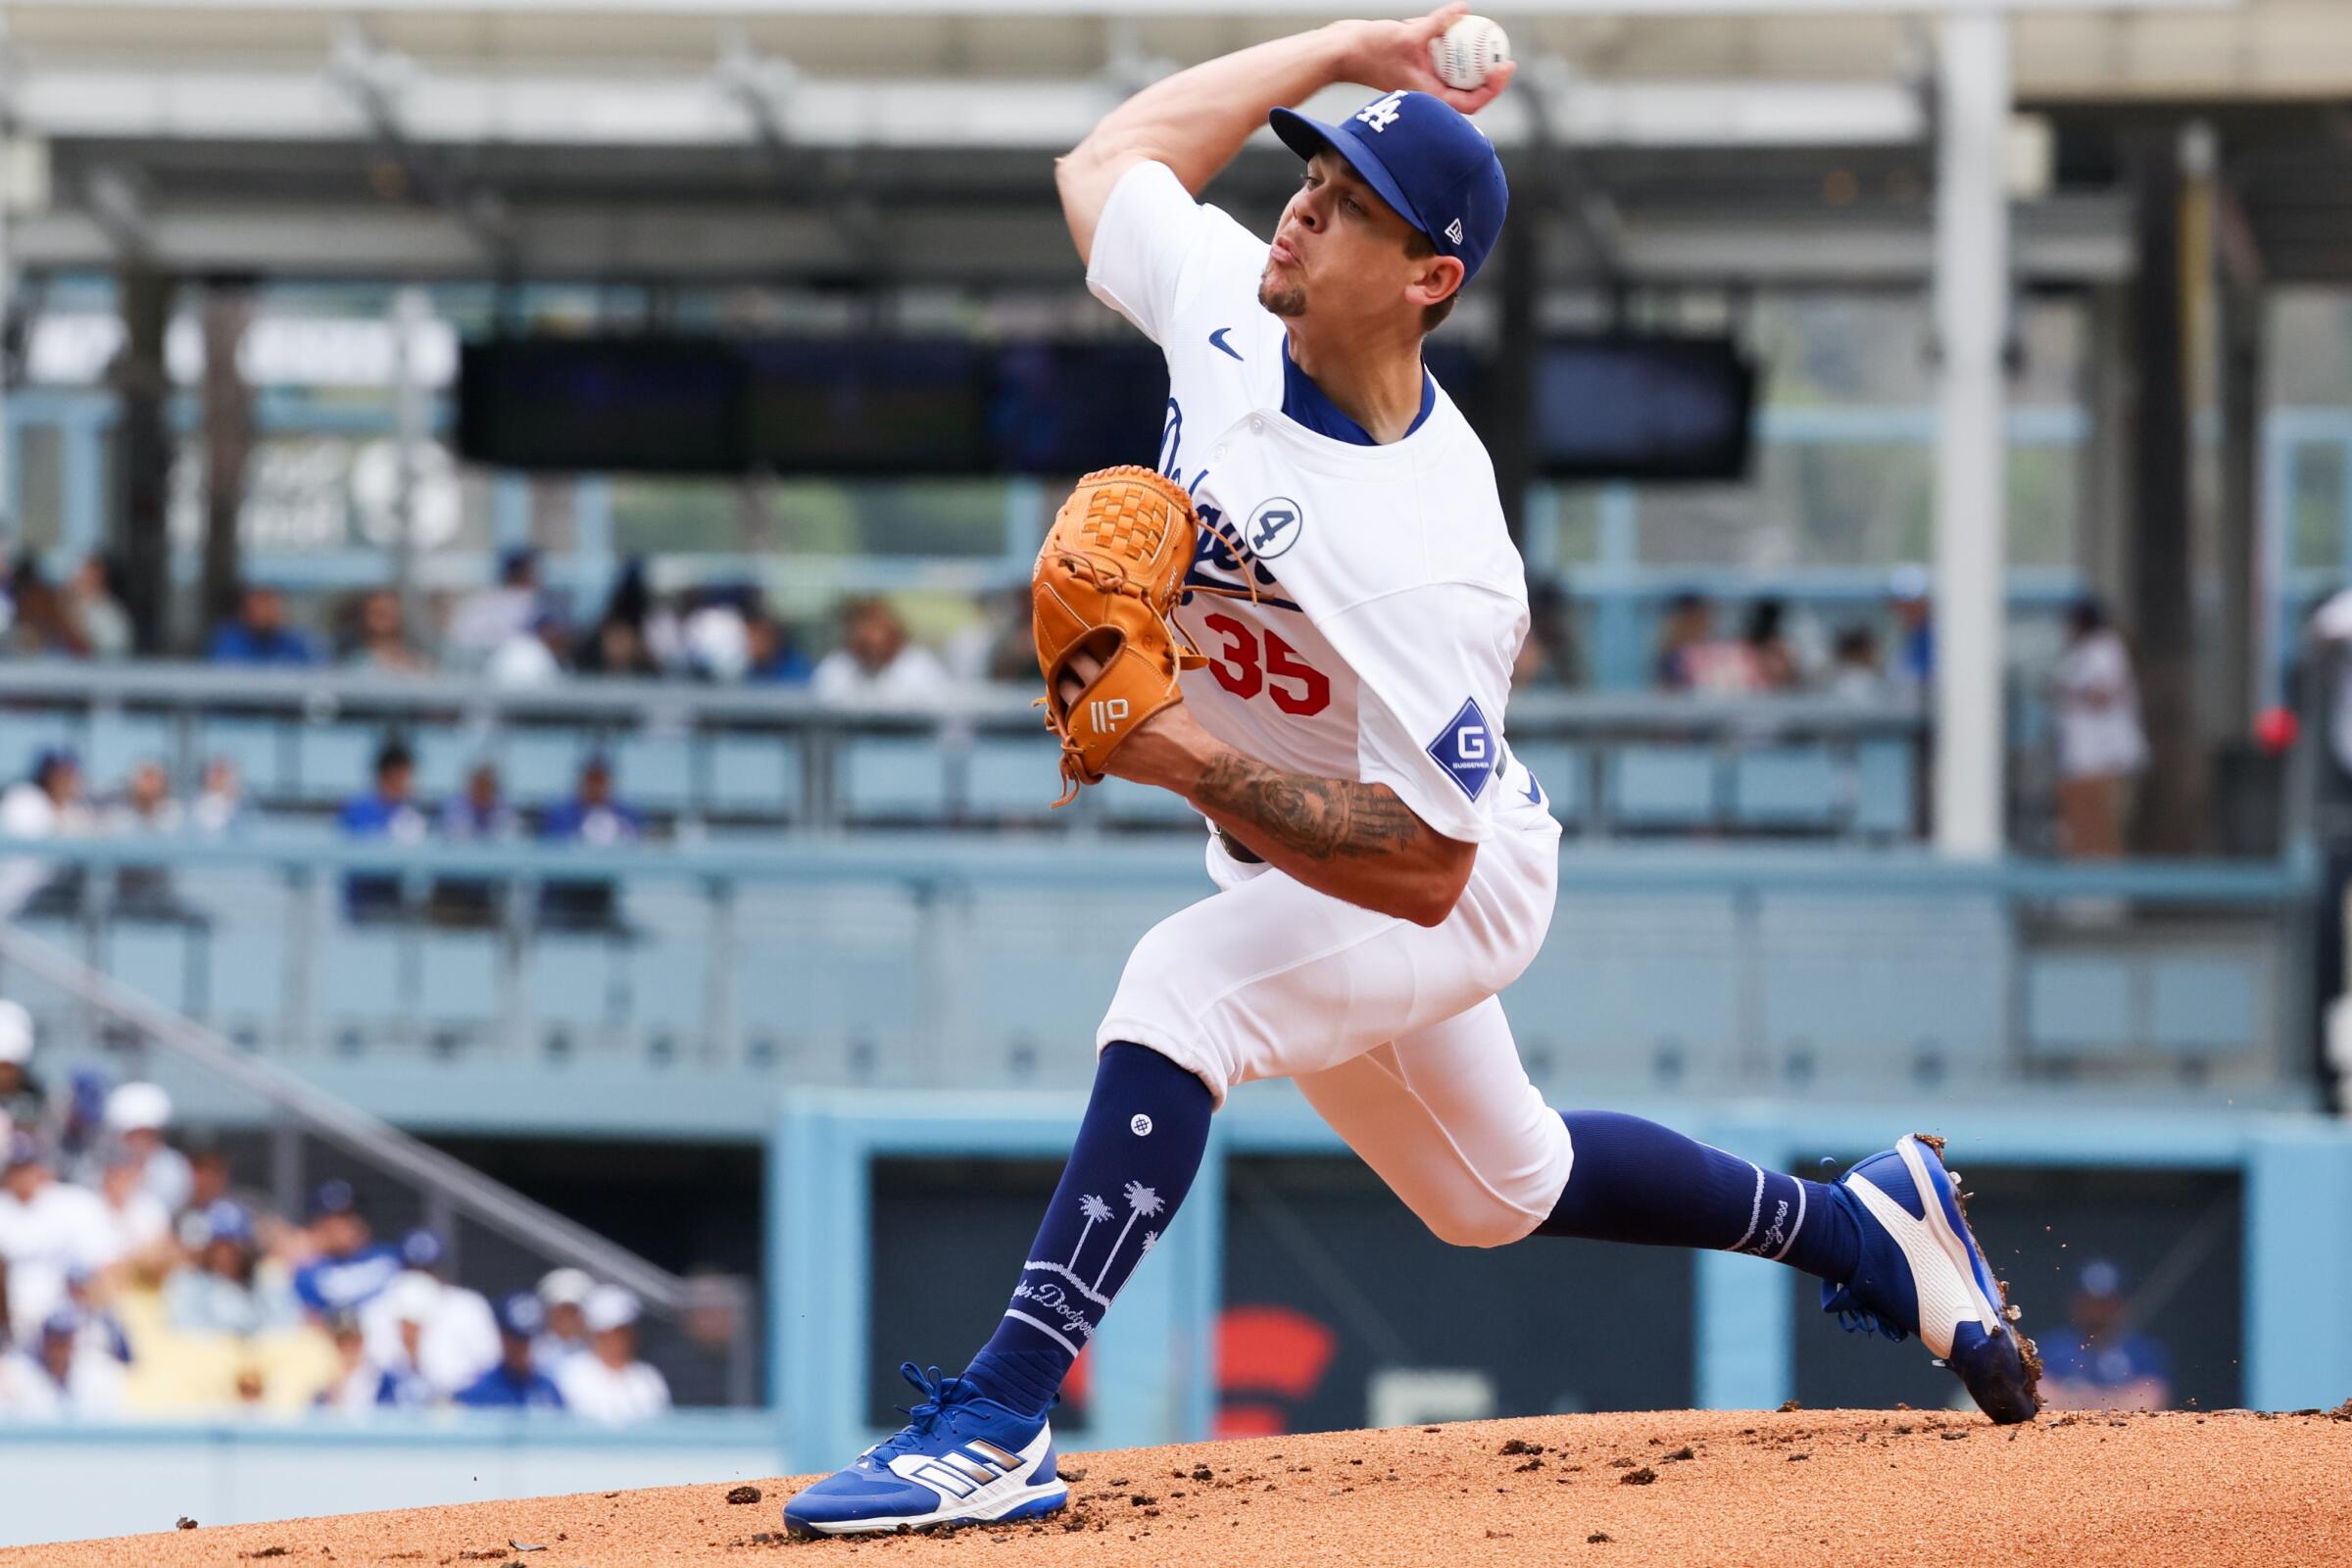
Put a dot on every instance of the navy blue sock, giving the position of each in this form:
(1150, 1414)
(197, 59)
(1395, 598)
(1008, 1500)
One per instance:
(1138, 1149)
(1636, 1181)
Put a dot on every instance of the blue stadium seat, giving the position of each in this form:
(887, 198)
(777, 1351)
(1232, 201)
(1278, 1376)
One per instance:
(460, 979)
(654, 772)
(1883, 989)
(1784, 786)
(1004, 777)
(539, 766)
(2208, 1005)
(753, 775)
(2078, 1004)
(1883, 789)
(335, 761)
(1560, 766)
(121, 741)
(1138, 805)
(1636, 989)
(893, 778)
(1657, 786)
(25, 736)
(444, 757)
(252, 744)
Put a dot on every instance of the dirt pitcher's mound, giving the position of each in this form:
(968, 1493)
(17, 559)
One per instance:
(1677, 1490)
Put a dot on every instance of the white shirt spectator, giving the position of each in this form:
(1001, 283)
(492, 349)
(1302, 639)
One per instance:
(2099, 735)
(28, 812)
(485, 621)
(2332, 622)
(612, 1396)
(459, 1335)
(61, 1229)
(915, 678)
(139, 1219)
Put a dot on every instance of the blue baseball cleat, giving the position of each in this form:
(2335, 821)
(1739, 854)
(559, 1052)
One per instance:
(1922, 1272)
(961, 1460)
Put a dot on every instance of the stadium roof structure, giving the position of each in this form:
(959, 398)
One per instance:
(782, 140)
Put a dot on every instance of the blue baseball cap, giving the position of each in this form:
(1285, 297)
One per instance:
(420, 1249)
(226, 1220)
(333, 1198)
(1425, 158)
(521, 1315)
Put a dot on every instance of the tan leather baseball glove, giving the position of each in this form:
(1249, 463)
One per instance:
(1110, 572)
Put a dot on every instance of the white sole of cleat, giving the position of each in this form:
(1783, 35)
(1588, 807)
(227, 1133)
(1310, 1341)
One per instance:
(1018, 1503)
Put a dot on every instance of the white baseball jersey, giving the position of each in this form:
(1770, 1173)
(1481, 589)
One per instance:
(1391, 603)
(1391, 606)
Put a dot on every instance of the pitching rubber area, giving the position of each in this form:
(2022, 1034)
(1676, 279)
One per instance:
(1675, 1489)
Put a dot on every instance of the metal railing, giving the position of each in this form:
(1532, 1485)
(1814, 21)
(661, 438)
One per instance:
(1616, 764)
(448, 1187)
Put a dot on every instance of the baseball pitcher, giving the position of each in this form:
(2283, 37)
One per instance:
(1304, 621)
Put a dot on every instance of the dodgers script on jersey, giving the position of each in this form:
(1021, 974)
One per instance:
(1390, 601)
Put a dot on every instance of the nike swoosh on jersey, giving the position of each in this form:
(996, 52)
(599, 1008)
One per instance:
(1216, 340)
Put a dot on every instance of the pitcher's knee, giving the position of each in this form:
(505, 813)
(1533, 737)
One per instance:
(1476, 1220)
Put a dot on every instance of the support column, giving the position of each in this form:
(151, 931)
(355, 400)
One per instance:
(2173, 789)
(1510, 399)
(1972, 314)
(228, 445)
(143, 457)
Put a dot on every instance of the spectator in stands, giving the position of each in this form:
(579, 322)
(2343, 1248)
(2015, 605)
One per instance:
(146, 809)
(616, 647)
(716, 635)
(2100, 1361)
(24, 1104)
(94, 612)
(226, 1291)
(142, 1224)
(1772, 661)
(1915, 639)
(609, 1383)
(998, 644)
(1855, 675)
(481, 813)
(259, 633)
(2100, 743)
(774, 659)
(39, 625)
(487, 620)
(137, 1113)
(457, 1339)
(87, 1384)
(877, 663)
(515, 1383)
(379, 643)
(388, 810)
(48, 1229)
(563, 1292)
(349, 1266)
(98, 1328)
(219, 804)
(409, 1303)
(593, 814)
(1549, 656)
(535, 656)
(47, 806)
(1689, 626)
(353, 1388)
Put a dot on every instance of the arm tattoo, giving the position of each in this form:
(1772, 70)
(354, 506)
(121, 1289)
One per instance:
(1321, 818)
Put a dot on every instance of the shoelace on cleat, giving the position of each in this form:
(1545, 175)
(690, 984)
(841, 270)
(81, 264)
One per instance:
(1854, 1317)
(941, 1396)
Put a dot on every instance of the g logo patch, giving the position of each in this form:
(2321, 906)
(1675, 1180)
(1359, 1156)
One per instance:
(1273, 527)
(1140, 1125)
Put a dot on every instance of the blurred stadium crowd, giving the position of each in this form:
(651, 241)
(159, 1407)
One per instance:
(136, 1279)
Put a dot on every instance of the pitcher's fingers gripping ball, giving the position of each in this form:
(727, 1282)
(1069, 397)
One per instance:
(1110, 573)
(1467, 51)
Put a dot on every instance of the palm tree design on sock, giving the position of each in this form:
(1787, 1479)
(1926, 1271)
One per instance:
(1142, 1204)
(1096, 1211)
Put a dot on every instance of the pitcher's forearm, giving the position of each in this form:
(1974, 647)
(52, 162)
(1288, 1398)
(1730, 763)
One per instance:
(1197, 119)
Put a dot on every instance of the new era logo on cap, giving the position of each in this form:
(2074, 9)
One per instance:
(1453, 232)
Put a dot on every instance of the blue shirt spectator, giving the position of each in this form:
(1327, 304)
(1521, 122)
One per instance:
(515, 1383)
(2100, 1361)
(480, 815)
(773, 660)
(388, 810)
(260, 636)
(351, 1266)
(593, 816)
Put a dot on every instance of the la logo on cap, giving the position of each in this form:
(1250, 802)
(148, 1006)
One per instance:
(1382, 112)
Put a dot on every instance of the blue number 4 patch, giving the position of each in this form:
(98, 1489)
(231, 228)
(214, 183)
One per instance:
(1467, 749)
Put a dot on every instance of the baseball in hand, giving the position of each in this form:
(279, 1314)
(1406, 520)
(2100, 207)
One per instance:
(1466, 51)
